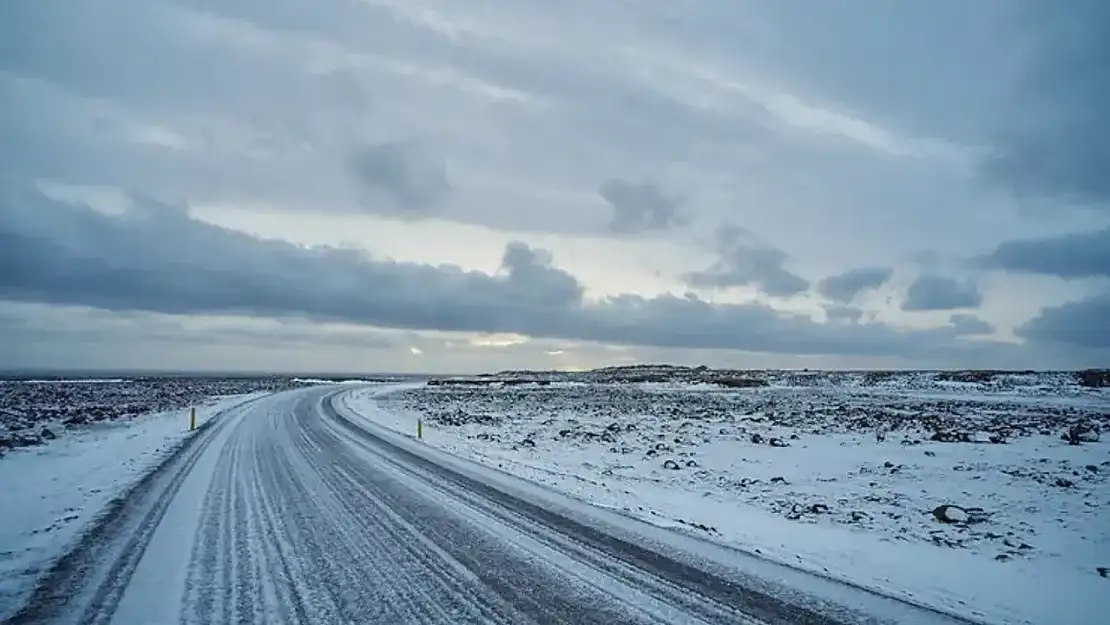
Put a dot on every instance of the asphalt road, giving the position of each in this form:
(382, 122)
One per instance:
(287, 511)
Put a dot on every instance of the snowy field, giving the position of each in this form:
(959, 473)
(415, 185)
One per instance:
(840, 474)
(51, 491)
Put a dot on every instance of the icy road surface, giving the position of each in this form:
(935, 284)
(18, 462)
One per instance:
(286, 511)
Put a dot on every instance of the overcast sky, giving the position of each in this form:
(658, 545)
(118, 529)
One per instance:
(463, 185)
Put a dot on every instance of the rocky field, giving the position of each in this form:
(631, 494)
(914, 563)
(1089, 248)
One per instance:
(35, 411)
(1009, 466)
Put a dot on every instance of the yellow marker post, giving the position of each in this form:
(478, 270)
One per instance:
(192, 419)
(419, 429)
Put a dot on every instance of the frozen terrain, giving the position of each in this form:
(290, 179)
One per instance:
(291, 509)
(35, 410)
(50, 492)
(841, 474)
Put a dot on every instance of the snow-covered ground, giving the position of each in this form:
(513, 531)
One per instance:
(839, 478)
(50, 492)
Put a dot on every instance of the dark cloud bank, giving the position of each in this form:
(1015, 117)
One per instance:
(156, 258)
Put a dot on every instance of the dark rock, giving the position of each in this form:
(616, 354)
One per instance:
(757, 439)
(795, 437)
(931, 454)
(1064, 482)
(778, 480)
(1103, 571)
(818, 508)
(1002, 557)
(948, 513)
(691, 464)
(528, 443)
(888, 464)
(671, 465)
(1092, 468)
(48, 434)
(1081, 433)
(778, 442)
(1093, 378)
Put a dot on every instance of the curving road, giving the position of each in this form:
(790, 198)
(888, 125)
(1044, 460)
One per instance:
(288, 510)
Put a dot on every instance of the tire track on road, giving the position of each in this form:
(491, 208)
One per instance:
(86, 584)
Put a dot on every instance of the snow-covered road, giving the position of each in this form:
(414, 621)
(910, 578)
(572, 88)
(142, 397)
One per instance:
(288, 509)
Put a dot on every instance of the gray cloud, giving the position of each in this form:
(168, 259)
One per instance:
(969, 324)
(1068, 256)
(156, 258)
(932, 292)
(1058, 140)
(846, 286)
(69, 325)
(843, 313)
(638, 207)
(403, 173)
(1085, 323)
(744, 261)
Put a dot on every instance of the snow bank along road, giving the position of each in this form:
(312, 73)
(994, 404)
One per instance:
(288, 509)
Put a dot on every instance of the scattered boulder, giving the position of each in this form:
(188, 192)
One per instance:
(1103, 571)
(1064, 482)
(819, 508)
(778, 480)
(1093, 378)
(48, 435)
(691, 464)
(795, 512)
(951, 514)
(1081, 433)
(778, 442)
(671, 465)
(943, 436)
(757, 439)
